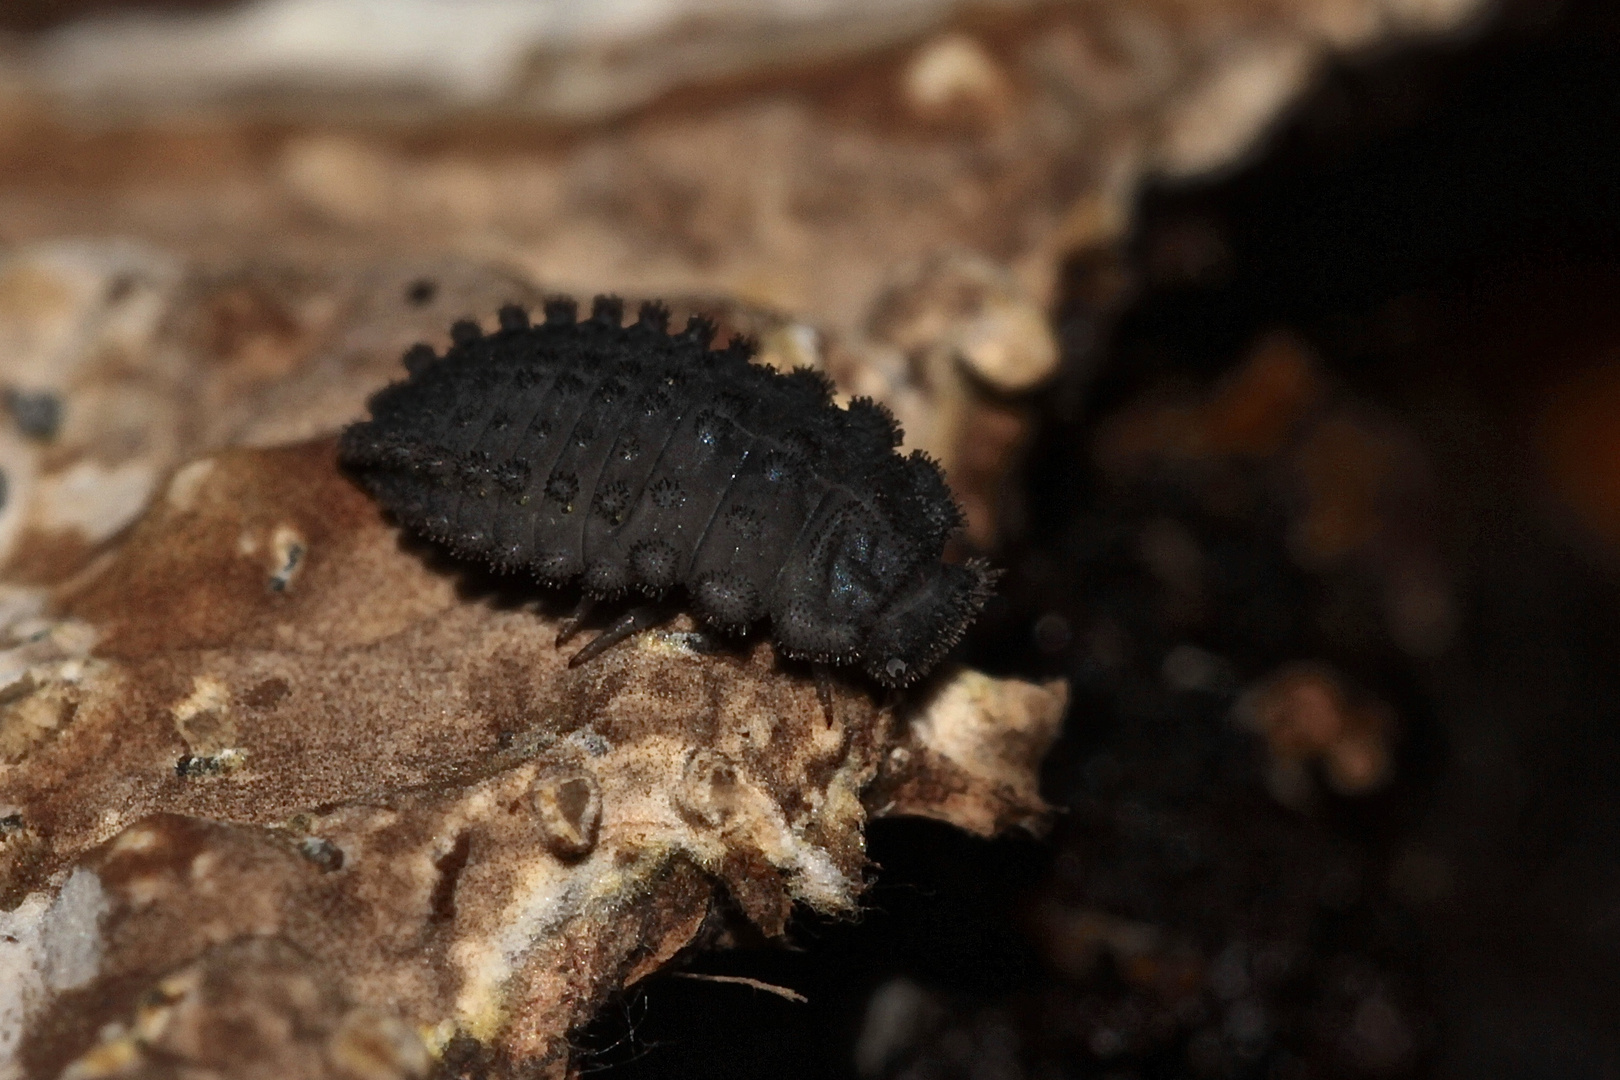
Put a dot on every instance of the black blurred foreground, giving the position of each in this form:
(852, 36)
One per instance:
(1324, 525)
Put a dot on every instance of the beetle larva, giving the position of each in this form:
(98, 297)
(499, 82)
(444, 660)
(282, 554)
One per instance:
(635, 460)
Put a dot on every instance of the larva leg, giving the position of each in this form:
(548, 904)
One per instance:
(575, 620)
(631, 622)
(824, 690)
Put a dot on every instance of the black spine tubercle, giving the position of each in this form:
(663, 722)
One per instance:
(513, 318)
(742, 347)
(418, 358)
(561, 311)
(654, 315)
(985, 578)
(700, 331)
(813, 386)
(872, 418)
(608, 311)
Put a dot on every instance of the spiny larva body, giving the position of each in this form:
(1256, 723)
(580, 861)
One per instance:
(635, 460)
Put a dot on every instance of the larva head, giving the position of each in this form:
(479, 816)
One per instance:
(871, 595)
(885, 587)
(846, 578)
(921, 623)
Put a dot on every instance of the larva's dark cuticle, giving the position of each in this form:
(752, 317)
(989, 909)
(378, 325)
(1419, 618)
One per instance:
(418, 357)
(513, 475)
(692, 470)
(612, 502)
(550, 567)
(437, 464)
(561, 488)
(744, 521)
(654, 564)
(777, 465)
(667, 494)
(513, 318)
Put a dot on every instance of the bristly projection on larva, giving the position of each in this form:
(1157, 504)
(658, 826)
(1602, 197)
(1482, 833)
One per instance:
(636, 460)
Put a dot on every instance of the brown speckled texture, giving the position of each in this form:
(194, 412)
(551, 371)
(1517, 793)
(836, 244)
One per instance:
(376, 777)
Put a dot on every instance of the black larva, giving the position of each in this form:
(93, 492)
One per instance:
(635, 460)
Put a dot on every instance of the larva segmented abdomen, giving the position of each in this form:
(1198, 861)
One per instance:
(632, 459)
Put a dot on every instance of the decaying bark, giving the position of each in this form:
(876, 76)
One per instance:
(265, 758)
